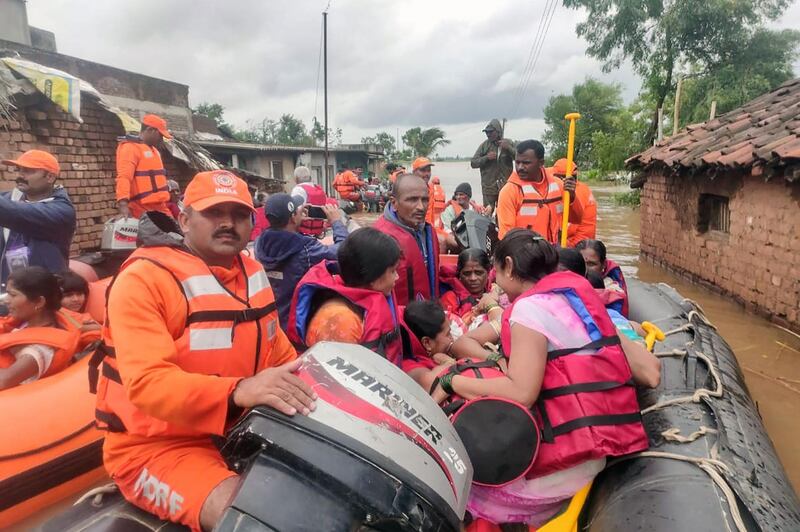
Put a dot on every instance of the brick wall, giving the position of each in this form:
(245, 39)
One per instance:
(86, 154)
(757, 262)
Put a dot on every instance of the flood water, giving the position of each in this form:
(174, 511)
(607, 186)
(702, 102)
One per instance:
(769, 356)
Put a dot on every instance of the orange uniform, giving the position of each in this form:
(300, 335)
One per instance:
(347, 184)
(65, 339)
(438, 201)
(141, 177)
(179, 342)
(535, 206)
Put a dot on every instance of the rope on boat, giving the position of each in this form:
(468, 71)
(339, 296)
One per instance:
(713, 467)
(698, 395)
(98, 494)
(673, 434)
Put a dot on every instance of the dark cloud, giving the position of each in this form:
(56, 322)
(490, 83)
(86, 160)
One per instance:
(392, 64)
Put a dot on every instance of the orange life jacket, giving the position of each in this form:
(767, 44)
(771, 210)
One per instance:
(457, 208)
(439, 200)
(588, 226)
(394, 175)
(64, 339)
(346, 184)
(223, 336)
(149, 185)
(540, 213)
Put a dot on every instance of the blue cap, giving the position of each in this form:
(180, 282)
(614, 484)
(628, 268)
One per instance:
(281, 207)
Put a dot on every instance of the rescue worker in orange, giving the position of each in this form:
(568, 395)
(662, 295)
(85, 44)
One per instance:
(347, 184)
(587, 228)
(439, 201)
(422, 167)
(191, 340)
(141, 177)
(533, 200)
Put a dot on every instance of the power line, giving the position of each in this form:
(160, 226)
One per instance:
(319, 67)
(547, 18)
(531, 53)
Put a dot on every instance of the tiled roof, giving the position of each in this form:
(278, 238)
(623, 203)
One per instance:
(762, 138)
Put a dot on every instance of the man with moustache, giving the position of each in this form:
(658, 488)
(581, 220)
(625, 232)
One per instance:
(191, 341)
(37, 218)
(404, 219)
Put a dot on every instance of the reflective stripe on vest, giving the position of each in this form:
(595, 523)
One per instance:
(225, 335)
(541, 214)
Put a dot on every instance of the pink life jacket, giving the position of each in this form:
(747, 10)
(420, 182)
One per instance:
(316, 197)
(614, 272)
(381, 329)
(587, 405)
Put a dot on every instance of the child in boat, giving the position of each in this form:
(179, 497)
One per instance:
(351, 301)
(428, 343)
(36, 340)
(594, 253)
(469, 285)
(555, 329)
(75, 292)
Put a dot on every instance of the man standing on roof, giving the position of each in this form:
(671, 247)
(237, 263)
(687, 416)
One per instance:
(191, 340)
(533, 200)
(495, 158)
(404, 219)
(587, 228)
(37, 218)
(141, 177)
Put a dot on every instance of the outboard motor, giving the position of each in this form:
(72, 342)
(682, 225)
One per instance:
(474, 230)
(377, 454)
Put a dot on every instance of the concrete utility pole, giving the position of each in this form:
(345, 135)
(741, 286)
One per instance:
(713, 110)
(677, 117)
(325, 88)
(660, 124)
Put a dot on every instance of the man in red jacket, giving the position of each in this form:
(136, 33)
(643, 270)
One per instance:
(404, 219)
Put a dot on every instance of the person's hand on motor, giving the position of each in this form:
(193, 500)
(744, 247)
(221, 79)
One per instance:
(332, 213)
(278, 388)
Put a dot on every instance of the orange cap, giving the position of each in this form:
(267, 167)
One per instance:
(420, 162)
(35, 160)
(560, 168)
(218, 186)
(158, 123)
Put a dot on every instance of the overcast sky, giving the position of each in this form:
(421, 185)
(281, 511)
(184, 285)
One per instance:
(391, 64)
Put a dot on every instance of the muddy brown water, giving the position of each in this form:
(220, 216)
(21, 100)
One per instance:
(769, 356)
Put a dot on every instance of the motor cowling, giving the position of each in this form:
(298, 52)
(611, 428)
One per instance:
(376, 454)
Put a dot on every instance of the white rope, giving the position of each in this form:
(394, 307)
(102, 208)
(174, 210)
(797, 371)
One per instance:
(700, 393)
(711, 467)
(673, 434)
(682, 328)
(97, 493)
(695, 304)
(673, 353)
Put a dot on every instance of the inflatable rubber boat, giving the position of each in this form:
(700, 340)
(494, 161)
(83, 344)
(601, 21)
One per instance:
(710, 467)
(50, 447)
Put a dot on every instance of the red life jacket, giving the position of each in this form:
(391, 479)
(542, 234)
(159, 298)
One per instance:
(381, 329)
(414, 279)
(587, 405)
(316, 197)
(614, 272)
(461, 301)
(64, 339)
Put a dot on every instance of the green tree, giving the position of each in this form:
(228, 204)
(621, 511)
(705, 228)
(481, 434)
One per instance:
(318, 134)
(385, 140)
(424, 142)
(292, 131)
(215, 112)
(661, 37)
(598, 103)
(762, 65)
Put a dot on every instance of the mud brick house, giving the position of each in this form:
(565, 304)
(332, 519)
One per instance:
(720, 203)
